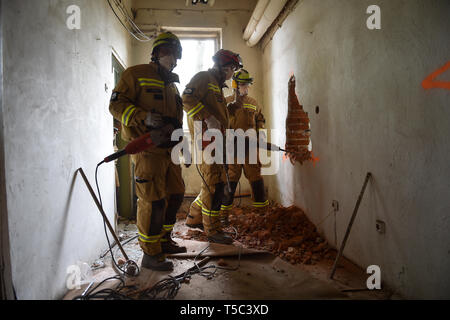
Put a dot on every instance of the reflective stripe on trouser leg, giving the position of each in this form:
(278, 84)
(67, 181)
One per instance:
(173, 204)
(149, 222)
(195, 212)
(151, 172)
(228, 199)
(259, 196)
(211, 213)
(211, 196)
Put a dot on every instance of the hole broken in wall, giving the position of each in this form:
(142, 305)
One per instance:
(298, 141)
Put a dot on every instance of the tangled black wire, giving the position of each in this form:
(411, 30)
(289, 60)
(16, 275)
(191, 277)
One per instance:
(168, 288)
(165, 289)
(125, 269)
(107, 293)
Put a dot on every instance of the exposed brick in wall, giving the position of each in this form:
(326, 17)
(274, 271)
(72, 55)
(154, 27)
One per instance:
(297, 128)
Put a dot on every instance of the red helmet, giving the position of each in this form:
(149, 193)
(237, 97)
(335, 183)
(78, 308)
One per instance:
(226, 57)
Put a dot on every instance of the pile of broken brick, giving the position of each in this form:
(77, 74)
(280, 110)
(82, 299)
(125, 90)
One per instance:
(285, 232)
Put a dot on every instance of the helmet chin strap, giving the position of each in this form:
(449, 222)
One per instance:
(221, 74)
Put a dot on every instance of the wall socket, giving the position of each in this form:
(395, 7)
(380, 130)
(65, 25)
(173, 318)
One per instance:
(381, 226)
(335, 205)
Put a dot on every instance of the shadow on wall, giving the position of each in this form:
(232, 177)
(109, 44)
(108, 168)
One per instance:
(376, 204)
(59, 236)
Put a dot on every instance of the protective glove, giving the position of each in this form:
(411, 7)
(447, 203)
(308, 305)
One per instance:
(154, 120)
(213, 123)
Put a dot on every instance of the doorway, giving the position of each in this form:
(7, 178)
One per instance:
(125, 193)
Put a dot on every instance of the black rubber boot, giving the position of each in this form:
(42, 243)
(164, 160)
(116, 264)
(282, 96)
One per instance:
(259, 193)
(227, 202)
(168, 245)
(228, 197)
(157, 262)
(194, 225)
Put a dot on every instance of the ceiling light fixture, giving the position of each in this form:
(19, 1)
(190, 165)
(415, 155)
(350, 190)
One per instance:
(194, 2)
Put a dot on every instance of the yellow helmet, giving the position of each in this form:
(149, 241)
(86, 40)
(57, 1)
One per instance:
(241, 76)
(168, 38)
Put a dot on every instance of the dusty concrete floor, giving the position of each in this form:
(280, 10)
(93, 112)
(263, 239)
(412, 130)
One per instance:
(258, 276)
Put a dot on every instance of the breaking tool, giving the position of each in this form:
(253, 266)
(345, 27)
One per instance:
(130, 268)
(358, 202)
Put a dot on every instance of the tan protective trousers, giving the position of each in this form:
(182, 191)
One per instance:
(157, 177)
(206, 207)
(253, 174)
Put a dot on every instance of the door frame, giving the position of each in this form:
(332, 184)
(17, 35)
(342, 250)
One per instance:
(6, 284)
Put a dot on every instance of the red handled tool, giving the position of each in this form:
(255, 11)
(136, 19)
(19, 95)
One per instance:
(138, 145)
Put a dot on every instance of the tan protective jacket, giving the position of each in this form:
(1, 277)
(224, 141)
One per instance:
(245, 114)
(203, 97)
(144, 88)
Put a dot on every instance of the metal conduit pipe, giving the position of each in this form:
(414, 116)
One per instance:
(254, 19)
(270, 13)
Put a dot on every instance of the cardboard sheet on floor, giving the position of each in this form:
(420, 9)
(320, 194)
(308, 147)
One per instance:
(259, 277)
(214, 249)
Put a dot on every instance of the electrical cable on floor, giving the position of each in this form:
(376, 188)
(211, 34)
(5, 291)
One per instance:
(164, 289)
(115, 265)
(168, 288)
(125, 242)
(240, 198)
(107, 293)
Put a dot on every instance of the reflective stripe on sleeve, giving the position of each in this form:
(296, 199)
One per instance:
(214, 88)
(126, 115)
(249, 106)
(196, 109)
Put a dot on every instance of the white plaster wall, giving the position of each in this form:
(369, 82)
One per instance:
(374, 116)
(56, 120)
(232, 16)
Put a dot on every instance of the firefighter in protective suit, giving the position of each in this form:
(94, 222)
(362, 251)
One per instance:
(146, 98)
(244, 114)
(204, 101)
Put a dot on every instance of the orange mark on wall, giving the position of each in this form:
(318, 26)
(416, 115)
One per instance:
(314, 159)
(429, 82)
